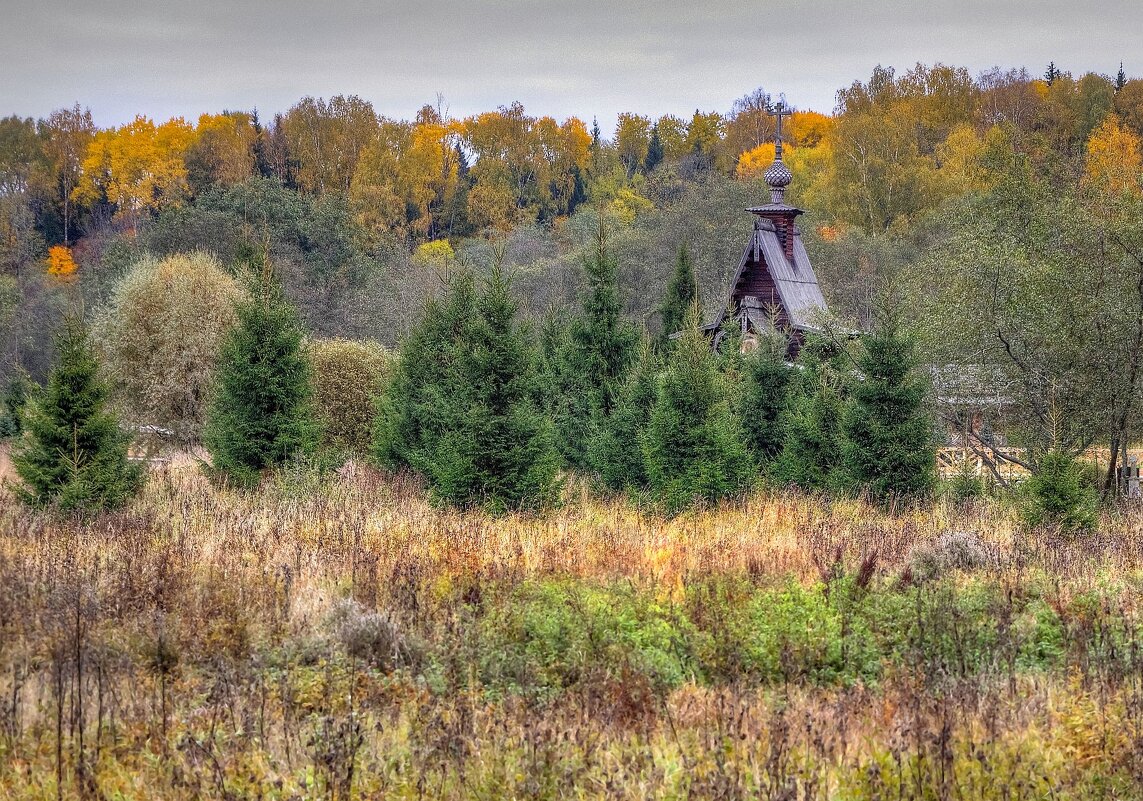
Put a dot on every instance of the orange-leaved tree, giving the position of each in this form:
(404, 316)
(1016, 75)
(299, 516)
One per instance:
(60, 262)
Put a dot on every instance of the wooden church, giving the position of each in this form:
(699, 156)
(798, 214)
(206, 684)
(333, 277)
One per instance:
(774, 286)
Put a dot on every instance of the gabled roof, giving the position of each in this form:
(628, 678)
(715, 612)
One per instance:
(796, 283)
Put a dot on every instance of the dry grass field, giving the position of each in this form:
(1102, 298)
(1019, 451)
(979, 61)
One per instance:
(344, 639)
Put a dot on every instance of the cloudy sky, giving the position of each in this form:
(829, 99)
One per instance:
(559, 57)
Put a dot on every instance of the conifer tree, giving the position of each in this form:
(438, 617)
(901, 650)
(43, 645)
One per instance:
(261, 414)
(654, 151)
(462, 407)
(767, 383)
(1120, 78)
(73, 454)
(1051, 73)
(601, 347)
(495, 448)
(1059, 494)
(681, 295)
(693, 448)
(888, 444)
(616, 451)
(408, 421)
(606, 343)
(811, 449)
(16, 396)
(562, 390)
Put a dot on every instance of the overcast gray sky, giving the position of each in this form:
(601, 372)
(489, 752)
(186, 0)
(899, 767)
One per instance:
(165, 58)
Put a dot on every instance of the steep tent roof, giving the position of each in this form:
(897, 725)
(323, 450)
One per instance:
(775, 284)
(795, 286)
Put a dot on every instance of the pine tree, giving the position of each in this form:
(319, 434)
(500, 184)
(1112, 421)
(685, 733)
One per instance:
(260, 415)
(765, 396)
(693, 447)
(616, 451)
(1051, 73)
(888, 444)
(681, 295)
(811, 449)
(462, 407)
(1120, 78)
(73, 454)
(654, 151)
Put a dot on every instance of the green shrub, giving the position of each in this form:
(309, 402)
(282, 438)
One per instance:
(348, 377)
(801, 634)
(552, 636)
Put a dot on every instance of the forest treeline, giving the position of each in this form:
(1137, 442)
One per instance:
(365, 191)
(998, 213)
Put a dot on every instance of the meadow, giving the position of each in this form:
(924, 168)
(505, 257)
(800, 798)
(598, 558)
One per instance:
(341, 638)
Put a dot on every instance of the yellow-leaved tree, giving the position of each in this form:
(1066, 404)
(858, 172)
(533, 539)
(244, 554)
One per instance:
(1114, 162)
(407, 176)
(139, 168)
(327, 138)
(222, 151)
(753, 162)
(632, 138)
(524, 167)
(437, 256)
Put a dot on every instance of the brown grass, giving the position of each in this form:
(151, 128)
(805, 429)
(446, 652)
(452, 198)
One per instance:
(179, 649)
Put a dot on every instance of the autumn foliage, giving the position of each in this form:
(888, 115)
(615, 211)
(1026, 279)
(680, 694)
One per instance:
(60, 262)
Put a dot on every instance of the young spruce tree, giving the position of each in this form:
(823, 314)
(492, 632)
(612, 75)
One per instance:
(617, 449)
(461, 409)
(811, 448)
(261, 413)
(767, 384)
(681, 295)
(73, 454)
(562, 390)
(409, 421)
(601, 348)
(693, 447)
(888, 444)
(1059, 494)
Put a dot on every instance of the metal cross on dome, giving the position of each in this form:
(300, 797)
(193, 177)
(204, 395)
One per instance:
(780, 110)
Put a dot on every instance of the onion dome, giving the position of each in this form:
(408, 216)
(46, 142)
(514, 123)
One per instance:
(778, 175)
